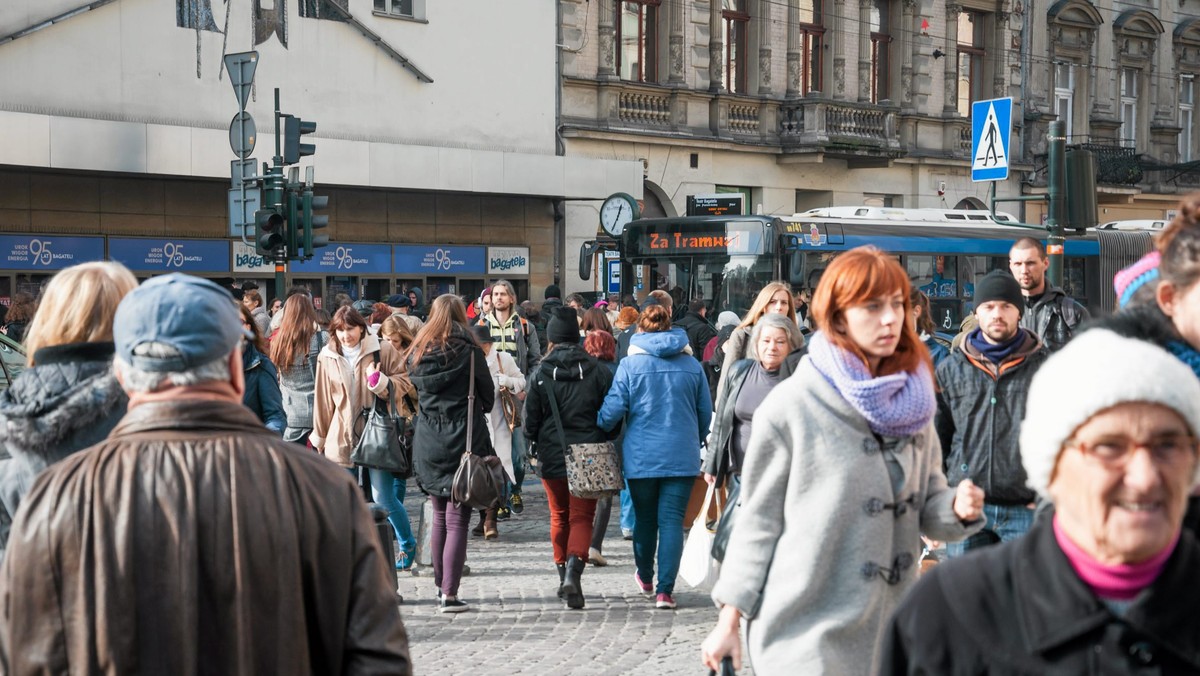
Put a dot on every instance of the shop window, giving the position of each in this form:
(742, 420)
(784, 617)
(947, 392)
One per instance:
(637, 33)
(735, 19)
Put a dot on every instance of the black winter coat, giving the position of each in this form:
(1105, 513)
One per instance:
(1054, 318)
(442, 379)
(262, 393)
(69, 401)
(1019, 608)
(579, 383)
(979, 419)
(699, 332)
(716, 455)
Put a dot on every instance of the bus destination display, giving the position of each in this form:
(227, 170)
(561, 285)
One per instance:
(729, 242)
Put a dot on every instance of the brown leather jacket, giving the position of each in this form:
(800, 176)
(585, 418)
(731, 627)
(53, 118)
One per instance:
(193, 541)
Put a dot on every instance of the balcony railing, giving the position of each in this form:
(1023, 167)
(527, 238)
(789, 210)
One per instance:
(844, 128)
(1115, 164)
(642, 108)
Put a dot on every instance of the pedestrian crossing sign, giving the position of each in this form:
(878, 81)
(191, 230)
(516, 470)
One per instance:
(991, 129)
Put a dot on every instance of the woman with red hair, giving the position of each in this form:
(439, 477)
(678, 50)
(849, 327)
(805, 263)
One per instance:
(842, 474)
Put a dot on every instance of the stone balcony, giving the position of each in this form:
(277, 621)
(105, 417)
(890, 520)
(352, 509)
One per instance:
(808, 129)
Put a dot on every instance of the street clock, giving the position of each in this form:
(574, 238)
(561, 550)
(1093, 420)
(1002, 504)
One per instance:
(617, 212)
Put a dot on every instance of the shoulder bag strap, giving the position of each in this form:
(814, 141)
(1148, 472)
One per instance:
(471, 401)
(555, 414)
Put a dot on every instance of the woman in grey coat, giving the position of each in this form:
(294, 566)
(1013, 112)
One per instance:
(68, 398)
(294, 350)
(842, 474)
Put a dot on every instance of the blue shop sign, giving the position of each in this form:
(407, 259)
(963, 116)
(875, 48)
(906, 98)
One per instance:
(48, 252)
(341, 259)
(429, 259)
(170, 255)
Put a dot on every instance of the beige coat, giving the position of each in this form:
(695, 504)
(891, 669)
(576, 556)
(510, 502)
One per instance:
(341, 393)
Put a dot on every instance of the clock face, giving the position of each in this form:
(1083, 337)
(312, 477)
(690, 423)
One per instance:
(616, 212)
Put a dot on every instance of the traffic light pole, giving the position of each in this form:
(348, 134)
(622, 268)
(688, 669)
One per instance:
(1056, 178)
(276, 200)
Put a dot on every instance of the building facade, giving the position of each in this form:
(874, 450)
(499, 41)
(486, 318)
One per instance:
(810, 103)
(440, 159)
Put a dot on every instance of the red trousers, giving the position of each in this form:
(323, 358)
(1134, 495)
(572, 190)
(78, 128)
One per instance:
(570, 521)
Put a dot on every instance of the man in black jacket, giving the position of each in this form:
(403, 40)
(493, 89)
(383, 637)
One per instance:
(1049, 311)
(980, 407)
(695, 323)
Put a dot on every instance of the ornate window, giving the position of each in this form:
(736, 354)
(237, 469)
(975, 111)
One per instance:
(1187, 115)
(735, 19)
(812, 33)
(881, 40)
(1129, 106)
(1064, 93)
(971, 54)
(637, 32)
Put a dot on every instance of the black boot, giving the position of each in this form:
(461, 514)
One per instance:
(572, 589)
(562, 574)
(477, 531)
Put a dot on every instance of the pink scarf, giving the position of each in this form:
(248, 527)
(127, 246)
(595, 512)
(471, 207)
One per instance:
(1121, 582)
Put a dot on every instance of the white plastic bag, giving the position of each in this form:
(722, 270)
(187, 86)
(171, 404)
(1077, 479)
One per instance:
(697, 567)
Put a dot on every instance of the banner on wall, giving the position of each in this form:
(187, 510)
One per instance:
(170, 255)
(246, 259)
(435, 260)
(48, 252)
(508, 260)
(348, 258)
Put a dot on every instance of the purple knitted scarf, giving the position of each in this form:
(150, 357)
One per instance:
(895, 406)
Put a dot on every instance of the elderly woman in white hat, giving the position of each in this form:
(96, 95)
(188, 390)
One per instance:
(1105, 581)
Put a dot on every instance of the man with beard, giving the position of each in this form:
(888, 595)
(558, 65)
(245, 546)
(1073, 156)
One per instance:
(1049, 311)
(981, 403)
(515, 335)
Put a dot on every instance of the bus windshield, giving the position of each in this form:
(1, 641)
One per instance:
(724, 261)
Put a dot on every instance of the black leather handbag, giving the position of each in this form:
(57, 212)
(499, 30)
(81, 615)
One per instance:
(725, 524)
(479, 480)
(385, 440)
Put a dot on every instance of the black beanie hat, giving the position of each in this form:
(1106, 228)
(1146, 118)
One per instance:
(999, 285)
(552, 291)
(563, 326)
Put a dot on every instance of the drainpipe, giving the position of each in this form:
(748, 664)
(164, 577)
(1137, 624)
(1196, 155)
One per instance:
(558, 206)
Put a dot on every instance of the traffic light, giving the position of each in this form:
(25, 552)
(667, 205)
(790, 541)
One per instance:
(269, 232)
(313, 221)
(293, 129)
(295, 224)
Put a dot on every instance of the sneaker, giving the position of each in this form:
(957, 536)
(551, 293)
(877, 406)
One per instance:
(451, 604)
(647, 589)
(502, 513)
(664, 602)
(403, 560)
(596, 558)
(518, 505)
(627, 533)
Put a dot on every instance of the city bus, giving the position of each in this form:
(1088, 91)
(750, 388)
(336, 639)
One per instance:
(726, 260)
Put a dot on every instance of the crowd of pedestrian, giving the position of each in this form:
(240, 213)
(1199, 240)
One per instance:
(176, 438)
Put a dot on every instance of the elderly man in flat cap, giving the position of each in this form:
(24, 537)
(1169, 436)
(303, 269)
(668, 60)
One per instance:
(193, 540)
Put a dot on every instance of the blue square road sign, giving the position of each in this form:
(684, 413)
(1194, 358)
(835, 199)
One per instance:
(991, 129)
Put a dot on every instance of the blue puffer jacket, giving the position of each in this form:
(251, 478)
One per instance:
(662, 395)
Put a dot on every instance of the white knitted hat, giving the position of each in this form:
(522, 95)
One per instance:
(1097, 370)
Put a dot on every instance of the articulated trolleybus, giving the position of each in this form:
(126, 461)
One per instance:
(726, 260)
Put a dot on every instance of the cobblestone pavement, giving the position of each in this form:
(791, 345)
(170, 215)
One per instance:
(517, 625)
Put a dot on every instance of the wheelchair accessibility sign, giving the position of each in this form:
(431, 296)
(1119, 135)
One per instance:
(991, 129)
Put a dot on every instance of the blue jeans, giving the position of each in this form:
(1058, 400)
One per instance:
(659, 504)
(1005, 523)
(389, 494)
(627, 520)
